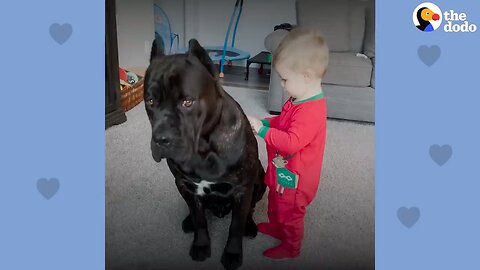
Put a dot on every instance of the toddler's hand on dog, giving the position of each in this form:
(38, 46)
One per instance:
(255, 123)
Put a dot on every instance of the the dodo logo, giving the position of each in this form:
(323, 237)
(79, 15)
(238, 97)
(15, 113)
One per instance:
(427, 17)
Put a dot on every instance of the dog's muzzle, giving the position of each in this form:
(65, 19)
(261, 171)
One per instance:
(156, 151)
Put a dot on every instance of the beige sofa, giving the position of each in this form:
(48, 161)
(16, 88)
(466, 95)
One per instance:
(349, 83)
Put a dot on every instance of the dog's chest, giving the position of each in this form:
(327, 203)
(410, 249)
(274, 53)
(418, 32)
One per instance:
(215, 196)
(205, 187)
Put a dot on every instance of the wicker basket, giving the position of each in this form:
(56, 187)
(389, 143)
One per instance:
(132, 95)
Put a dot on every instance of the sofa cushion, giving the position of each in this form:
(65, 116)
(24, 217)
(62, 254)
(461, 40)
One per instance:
(356, 22)
(273, 39)
(352, 103)
(369, 45)
(372, 83)
(347, 69)
(326, 16)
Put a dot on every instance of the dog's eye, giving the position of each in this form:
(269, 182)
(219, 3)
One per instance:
(187, 103)
(150, 102)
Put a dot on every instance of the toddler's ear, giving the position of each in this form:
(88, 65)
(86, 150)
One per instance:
(309, 75)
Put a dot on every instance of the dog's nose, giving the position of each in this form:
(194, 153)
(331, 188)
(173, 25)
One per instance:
(162, 139)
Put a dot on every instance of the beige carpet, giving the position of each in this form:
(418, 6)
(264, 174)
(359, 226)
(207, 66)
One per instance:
(144, 210)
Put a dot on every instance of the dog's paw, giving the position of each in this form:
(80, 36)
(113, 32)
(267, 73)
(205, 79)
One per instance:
(200, 253)
(250, 229)
(231, 261)
(187, 225)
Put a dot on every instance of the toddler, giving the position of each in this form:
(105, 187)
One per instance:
(295, 139)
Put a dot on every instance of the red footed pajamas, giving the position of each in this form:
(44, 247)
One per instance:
(298, 132)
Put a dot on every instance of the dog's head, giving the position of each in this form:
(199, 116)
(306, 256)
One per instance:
(182, 99)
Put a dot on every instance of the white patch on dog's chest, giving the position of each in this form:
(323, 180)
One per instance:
(200, 187)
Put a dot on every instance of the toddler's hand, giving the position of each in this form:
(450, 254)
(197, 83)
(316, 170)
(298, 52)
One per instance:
(255, 123)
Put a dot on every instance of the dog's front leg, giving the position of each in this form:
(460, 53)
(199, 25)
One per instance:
(233, 252)
(200, 249)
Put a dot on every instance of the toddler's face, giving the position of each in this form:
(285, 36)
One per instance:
(293, 82)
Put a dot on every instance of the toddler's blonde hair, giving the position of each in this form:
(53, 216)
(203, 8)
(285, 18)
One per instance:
(303, 49)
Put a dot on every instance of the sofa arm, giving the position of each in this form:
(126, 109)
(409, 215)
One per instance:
(276, 95)
(372, 82)
(273, 39)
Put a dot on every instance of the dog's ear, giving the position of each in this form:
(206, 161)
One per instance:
(196, 50)
(156, 51)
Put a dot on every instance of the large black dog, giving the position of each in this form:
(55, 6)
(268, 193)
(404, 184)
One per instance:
(209, 146)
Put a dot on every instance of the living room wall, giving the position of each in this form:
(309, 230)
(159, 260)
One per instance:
(134, 32)
(206, 20)
(257, 21)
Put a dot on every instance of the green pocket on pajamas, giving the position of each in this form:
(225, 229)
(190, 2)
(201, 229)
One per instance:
(286, 178)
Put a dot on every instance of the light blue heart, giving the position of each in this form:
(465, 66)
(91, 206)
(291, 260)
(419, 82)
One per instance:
(441, 154)
(61, 33)
(408, 216)
(48, 187)
(429, 55)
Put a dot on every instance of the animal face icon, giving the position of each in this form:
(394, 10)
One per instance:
(427, 17)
